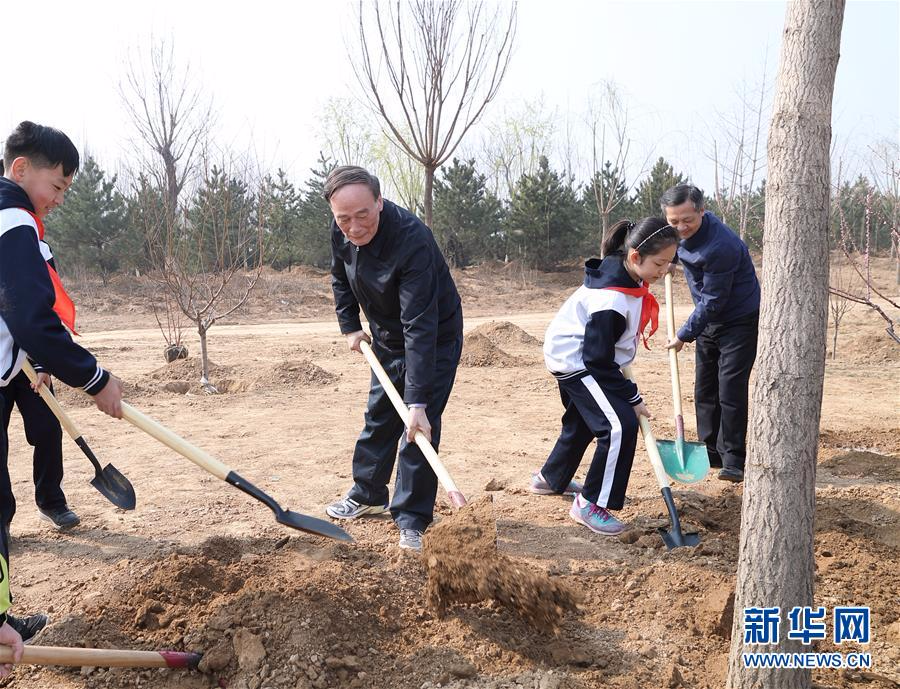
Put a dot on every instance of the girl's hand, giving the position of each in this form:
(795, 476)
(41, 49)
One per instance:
(42, 379)
(641, 410)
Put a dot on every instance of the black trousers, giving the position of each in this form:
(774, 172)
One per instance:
(44, 434)
(415, 487)
(725, 356)
(592, 413)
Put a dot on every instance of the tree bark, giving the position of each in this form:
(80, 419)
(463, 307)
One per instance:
(429, 196)
(775, 561)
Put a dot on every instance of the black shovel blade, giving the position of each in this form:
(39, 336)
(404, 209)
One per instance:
(676, 539)
(312, 525)
(115, 487)
(295, 520)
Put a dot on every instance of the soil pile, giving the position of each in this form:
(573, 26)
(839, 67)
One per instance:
(504, 332)
(463, 566)
(479, 351)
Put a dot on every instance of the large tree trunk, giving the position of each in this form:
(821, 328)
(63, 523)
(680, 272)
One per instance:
(775, 562)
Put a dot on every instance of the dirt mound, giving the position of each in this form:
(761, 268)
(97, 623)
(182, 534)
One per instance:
(294, 374)
(183, 377)
(504, 332)
(883, 440)
(464, 567)
(479, 351)
(305, 613)
(864, 464)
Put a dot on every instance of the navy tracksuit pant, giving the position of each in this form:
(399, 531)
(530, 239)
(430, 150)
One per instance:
(724, 358)
(593, 413)
(44, 434)
(415, 488)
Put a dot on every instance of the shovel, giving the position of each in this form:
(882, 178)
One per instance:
(205, 461)
(108, 480)
(101, 657)
(673, 538)
(685, 462)
(457, 499)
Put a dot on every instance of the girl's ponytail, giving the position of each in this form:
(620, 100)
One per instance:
(614, 240)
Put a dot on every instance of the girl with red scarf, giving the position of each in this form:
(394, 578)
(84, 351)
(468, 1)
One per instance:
(594, 335)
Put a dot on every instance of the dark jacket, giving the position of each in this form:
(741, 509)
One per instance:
(720, 275)
(403, 284)
(596, 330)
(28, 322)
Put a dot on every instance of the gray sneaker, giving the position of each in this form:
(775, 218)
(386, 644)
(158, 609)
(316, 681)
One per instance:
(346, 508)
(411, 539)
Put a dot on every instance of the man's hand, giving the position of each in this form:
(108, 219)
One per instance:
(10, 637)
(641, 410)
(418, 421)
(675, 344)
(42, 379)
(672, 268)
(109, 399)
(353, 340)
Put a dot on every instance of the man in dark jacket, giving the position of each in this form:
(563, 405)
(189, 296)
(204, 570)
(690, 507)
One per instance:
(386, 261)
(724, 323)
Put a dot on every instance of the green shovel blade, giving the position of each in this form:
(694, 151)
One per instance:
(684, 462)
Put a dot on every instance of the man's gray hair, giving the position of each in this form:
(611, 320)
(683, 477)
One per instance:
(343, 175)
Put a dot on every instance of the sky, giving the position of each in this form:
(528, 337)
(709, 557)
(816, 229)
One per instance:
(679, 65)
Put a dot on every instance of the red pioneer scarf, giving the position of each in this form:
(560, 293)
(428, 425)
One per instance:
(649, 308)
(64, 306)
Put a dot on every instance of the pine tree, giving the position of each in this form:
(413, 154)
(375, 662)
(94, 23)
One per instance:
(545, 218)
(280, 206)
(662, 177)
(86, 230)
(467, 218)
(313, 246)
(220, 215)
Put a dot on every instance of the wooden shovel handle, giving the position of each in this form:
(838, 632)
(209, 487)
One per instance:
(51, 401)
(673, 355)
(650, 442)
(94, 657)
(175, 442)
(456, 497)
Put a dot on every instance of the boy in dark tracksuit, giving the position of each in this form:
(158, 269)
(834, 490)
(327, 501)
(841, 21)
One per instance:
(590, 339)
(724, 324)
(39, 165)
(385, 260)
(43, 433)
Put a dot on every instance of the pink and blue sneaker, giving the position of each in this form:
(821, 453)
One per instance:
(540, 487)
(597, 519)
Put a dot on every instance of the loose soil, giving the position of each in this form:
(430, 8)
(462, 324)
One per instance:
(199, 566)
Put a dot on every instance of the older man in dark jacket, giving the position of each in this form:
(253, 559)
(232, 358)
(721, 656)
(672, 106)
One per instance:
(724, 323)
(386, 261)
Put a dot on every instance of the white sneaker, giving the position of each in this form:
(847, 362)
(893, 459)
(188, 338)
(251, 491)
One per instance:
(411, 539)
(346, 508)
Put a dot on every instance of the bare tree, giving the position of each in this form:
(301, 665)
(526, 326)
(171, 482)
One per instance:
(775, 560)
(608, 121)
(737, 156)
(211, 261)
(840, 285)
(859, 259)
(171, 116)
(512, 146)
(443, 62)
(886, 173)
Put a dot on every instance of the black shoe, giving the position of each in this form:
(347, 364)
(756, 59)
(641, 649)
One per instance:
(733, 475)
(61, 517)
(28, 627)
(6, 533)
